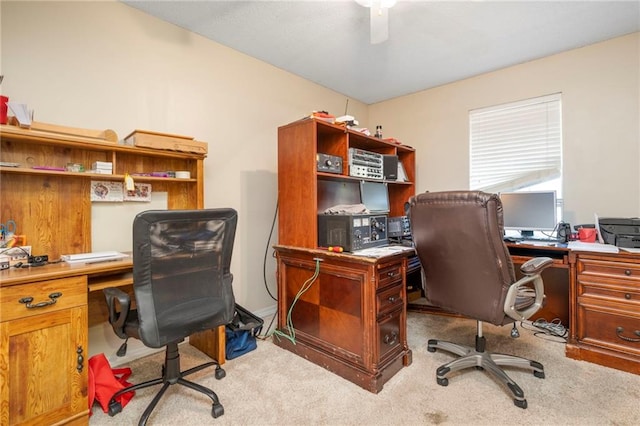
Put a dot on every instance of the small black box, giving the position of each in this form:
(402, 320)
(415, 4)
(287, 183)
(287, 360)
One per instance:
(390, 167)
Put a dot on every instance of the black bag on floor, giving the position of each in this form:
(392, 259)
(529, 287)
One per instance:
(241, 333)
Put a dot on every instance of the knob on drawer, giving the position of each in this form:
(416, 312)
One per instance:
(627, 272)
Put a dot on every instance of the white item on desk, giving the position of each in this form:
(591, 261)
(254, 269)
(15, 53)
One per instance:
(597, 247)
(93, 257)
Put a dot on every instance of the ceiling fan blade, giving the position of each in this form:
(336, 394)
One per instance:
(379, 30)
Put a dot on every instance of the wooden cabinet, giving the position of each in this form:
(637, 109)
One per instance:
(43, 352)
(53, 208)
(351, 319)
(607, 326)
(303, 191)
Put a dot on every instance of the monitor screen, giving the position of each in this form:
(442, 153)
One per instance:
(374, 196)
(529, 211)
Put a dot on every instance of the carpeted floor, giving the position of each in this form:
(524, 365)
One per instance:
(271, 386)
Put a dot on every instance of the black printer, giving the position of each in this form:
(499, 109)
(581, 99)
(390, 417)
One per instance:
(620, 232)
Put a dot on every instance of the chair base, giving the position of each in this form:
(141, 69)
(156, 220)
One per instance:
(487, 361)
(172, 375)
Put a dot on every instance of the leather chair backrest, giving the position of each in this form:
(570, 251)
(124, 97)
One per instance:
(458, 237)
(181, 272)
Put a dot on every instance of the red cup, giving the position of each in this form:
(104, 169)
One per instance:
(587, 235)
(3, 109)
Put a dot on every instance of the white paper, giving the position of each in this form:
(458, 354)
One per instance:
(93, 257)
(597, 247)
(21, 112)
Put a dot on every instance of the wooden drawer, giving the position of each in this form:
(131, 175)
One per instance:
(389, 274)
(620, 270)
(389, 337)
(388, 299)
(73, 292)
(610, 328)
(617, 292)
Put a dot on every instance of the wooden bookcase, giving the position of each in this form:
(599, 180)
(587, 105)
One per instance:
(352, 320)
(53, 208)
(303, 192)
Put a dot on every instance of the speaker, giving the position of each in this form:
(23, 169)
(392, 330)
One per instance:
(564, 232)
(390, 167)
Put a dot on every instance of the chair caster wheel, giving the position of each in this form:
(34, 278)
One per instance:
(522, 403)
(217, 410)
(430, 349)
(539, 374)
(220, 373)
(442, 382)
(114, 408)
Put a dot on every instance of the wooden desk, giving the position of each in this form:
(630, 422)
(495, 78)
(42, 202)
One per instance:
(557, 281)
(605, 300)
(352, 319)
(43, 349)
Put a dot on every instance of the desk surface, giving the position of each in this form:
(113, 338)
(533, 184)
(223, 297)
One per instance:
(14, 276)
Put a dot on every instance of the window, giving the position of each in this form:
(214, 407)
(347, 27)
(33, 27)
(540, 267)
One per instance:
(517, 146)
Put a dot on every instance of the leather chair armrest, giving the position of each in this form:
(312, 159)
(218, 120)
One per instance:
(117, 298)
(517, 304)
(536, 265)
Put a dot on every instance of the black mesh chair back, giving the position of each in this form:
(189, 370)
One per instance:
(181, 272)
(182, 285)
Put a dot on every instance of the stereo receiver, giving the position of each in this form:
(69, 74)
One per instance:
(352, 232)
(365, 164)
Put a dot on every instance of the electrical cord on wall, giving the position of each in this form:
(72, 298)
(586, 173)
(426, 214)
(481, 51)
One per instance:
(291, 335)
(266, 250)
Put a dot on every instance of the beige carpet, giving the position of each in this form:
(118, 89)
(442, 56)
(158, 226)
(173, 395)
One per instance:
(271, 386)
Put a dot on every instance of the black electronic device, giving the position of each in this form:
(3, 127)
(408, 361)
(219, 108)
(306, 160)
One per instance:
(622, 232)
(398, 227)
(352, 232)
(564, 232)
(329, 163)
(390, 167)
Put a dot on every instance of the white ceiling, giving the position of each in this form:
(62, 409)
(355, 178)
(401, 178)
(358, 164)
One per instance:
(430, 42)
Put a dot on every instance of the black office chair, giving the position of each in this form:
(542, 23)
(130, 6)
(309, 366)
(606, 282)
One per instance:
(467, 269)
(182, 285)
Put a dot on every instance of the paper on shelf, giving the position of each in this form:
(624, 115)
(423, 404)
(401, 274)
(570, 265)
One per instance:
(597, 247)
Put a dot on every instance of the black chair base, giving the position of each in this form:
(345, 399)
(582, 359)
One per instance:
(172, 375)
(487, 361)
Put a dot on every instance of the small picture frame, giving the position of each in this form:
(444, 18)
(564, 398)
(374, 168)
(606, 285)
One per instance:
(141, 192)
(106, 191)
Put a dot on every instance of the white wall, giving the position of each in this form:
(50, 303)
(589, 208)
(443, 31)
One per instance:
(601, 118)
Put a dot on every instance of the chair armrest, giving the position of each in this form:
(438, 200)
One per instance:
(117, 298)
(517, 304)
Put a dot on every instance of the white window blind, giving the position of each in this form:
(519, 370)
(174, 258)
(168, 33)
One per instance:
(516, 145)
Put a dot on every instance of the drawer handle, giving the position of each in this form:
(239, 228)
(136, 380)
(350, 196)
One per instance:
(619, 332)
(391, 339)
(391, 274)
(627, 272)
(53, 297)
(80, 359)
(392, 299)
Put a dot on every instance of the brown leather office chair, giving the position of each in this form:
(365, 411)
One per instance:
(182, 284)
(458, 238)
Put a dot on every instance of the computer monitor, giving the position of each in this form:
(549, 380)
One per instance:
(375, 196)
(529, 211)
